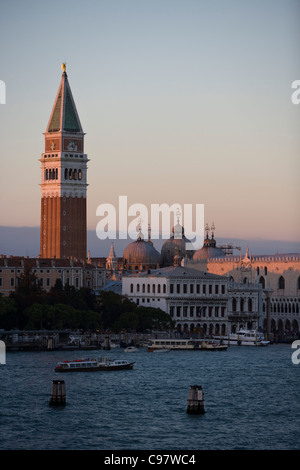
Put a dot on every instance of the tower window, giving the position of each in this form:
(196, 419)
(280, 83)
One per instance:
(79, 174)
(66, 173)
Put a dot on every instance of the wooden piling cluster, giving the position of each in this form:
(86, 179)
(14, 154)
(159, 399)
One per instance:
(58, 393)
(196, 400)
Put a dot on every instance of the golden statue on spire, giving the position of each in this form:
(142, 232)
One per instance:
(64, 66)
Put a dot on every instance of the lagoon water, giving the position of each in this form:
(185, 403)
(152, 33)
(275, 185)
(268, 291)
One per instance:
(252, 401)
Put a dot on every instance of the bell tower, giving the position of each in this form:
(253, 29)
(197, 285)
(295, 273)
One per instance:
(63, 180)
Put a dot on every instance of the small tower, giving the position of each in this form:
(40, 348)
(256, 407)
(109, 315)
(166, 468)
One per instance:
(63, 180)
(111, 261)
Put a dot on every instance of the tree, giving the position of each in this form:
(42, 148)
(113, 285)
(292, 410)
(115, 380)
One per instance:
(126, 321)
(8, 313)
(28, 291)
(153, 319)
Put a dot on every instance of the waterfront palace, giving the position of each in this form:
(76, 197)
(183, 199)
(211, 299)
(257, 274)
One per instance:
(209, 290)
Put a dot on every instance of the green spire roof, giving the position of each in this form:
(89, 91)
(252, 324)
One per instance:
(64, 116)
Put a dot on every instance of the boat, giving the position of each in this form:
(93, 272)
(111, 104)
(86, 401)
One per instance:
(161, 350)
(131, 349)
(185, 345)
(89, 365)
(244, 337)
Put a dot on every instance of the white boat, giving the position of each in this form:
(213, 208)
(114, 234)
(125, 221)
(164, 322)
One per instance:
(244, 337)
(185, 345)
(89, 365)
(131, 349)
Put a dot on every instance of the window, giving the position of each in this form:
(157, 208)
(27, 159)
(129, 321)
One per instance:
(131, 288)
(210, 288)
(153, 288)
(204, 288)
(138, 288)
(158, 288)
(164, 288)
(262, 281)
(266, 270)
(178, 288)
(171, 288)
(198, 288)
(178, 311)
(216, 289)
(223, 289)
(249, 305)
(144, 288)
(184, 288)
(281, 283)
(191, 288)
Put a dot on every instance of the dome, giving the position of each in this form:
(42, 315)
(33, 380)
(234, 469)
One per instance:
(140, 255)
(209, 250)
(175, 247)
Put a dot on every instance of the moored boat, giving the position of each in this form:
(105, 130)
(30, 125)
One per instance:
(89, 365)
(185, 345)
(244, 337)
(131, 349)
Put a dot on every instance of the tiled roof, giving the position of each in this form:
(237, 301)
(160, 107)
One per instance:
(177, 272)
(64, 116)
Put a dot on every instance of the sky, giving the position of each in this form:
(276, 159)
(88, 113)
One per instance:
(182, 101)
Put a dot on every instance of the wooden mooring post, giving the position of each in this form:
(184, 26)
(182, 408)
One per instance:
(58, 393)
(195, 400)
(106, 345)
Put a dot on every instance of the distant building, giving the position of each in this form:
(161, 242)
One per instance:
(48, 271)
(197, 301)
(279, 277)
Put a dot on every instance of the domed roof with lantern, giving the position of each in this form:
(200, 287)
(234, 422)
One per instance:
(176, 245)
(209, 249)
(140, 254)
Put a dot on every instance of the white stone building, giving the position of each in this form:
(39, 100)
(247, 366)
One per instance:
(197, 301)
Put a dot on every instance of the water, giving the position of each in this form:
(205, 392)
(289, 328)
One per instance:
(252, 401)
